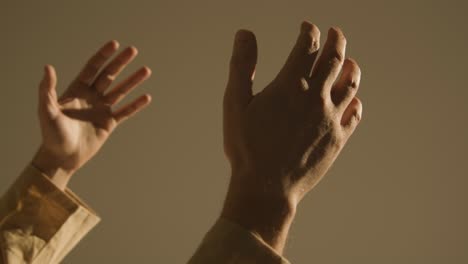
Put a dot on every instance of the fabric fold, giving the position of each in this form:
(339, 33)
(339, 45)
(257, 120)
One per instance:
(39, 223)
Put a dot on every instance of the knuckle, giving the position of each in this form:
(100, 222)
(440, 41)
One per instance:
(337, 138)
(354, 74)
(108, 75)
(98, 58)
(332, 136)
(303, 84)
(92, 68)
(353, 85)
(334, 62)
(89, 71)
(321, 103)
(337, 56)
(240, 61)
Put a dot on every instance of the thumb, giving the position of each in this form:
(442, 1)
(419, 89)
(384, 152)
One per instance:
(242, 69)
(48, 105)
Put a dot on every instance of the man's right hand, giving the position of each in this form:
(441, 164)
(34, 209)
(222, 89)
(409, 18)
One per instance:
(281, 141)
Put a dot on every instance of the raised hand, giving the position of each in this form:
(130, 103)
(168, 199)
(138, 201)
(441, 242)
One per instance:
(281, 141)
(76, 125)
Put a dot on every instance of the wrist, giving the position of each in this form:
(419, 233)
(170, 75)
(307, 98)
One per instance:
(268, 213)
(52, 167)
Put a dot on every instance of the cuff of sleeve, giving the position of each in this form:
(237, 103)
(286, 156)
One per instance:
(229, 242)
(34, 207)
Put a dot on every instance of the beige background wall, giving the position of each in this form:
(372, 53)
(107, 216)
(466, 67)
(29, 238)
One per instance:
(397, 194)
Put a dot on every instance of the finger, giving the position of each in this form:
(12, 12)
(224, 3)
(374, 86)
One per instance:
(121, 90)
(95, 63)
(132, 108)
(242, 70)
(112, 70)
(329, 63)
(47, 93)
(302, 57)
(352, 115)
(346, 87)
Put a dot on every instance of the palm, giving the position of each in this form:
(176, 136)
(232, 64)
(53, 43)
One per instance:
(82, 125)
(76, 126)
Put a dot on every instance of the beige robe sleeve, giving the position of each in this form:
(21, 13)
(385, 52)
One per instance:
(40, 223)
(230, 243)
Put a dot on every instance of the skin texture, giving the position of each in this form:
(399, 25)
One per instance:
(281, 141)
(75, 126)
